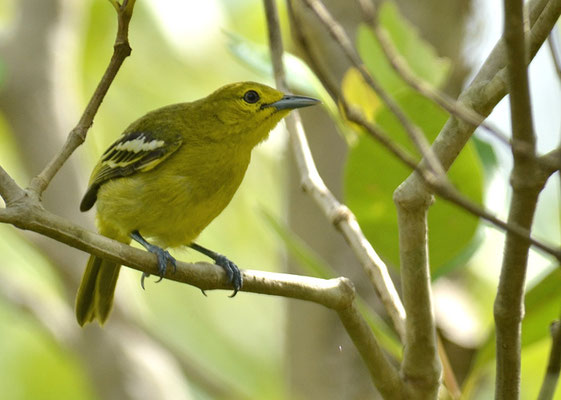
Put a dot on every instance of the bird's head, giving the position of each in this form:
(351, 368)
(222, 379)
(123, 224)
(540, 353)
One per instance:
(250, 110)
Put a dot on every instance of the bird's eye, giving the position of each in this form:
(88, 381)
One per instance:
(251, 97)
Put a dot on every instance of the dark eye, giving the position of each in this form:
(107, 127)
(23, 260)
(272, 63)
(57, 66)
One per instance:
(251, 97)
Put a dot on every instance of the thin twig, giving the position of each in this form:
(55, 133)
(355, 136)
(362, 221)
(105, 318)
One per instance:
(436, 182)
(555, 57)
(554, 364)
(76, 137)
(509, 307)
(337, 213)
(401, 67)
(383, 373)
(447, 191)
(448, 375)
(342, 39)
(9, 189)
(346, 222)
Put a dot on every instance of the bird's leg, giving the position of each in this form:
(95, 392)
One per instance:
(232, 270)
(163, 257)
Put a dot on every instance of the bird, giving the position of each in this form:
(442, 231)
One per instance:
(169, 174)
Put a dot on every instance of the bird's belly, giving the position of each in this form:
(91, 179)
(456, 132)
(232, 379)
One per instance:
(171, 212)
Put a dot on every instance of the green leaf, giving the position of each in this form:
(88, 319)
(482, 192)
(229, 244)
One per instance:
(487, 155)
(372, 174)
(541, 306)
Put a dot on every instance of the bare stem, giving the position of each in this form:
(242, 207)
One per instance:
(337, 213)
(77, 135)
(400, 66)
(341, 38)
(9, 189)
(509, 306)
(421, 365)
(437, 182)
(554, 364)
(384, 375)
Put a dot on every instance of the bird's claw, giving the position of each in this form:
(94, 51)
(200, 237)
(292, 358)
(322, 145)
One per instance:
(232, 271)
(163, 259)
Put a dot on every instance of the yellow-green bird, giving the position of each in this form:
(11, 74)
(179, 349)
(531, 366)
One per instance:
(170, 174)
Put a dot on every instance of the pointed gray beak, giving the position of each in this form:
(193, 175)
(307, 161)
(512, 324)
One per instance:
(289, 102)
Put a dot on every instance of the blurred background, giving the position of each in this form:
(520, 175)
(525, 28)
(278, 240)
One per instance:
(169, 341)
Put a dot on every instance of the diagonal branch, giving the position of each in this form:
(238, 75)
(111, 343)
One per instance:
(400, 66)
(337, 213)
(437, 183)
(382, 372)
(9, 190)
(76, 137)
(344, 42)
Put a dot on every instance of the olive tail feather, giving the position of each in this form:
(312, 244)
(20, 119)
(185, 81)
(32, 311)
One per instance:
(95, 295)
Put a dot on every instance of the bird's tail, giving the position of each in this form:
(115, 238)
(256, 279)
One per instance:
(95, 295)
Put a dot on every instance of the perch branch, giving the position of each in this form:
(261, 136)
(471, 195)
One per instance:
(26, 213)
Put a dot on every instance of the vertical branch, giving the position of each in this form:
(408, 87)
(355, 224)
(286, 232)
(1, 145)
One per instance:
(526, 185)
(554, 364)
(275, 45)
(421, 365)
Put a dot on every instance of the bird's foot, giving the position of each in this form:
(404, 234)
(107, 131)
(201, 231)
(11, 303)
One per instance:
(233, 272)
(163, 257)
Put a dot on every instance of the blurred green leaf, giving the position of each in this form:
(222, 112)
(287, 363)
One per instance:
(33, 366)
(486, 154)
(542, 306)
(372, 174)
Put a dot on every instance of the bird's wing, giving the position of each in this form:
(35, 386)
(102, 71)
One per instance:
(133, 152)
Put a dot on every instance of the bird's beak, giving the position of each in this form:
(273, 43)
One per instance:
(289, 102)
